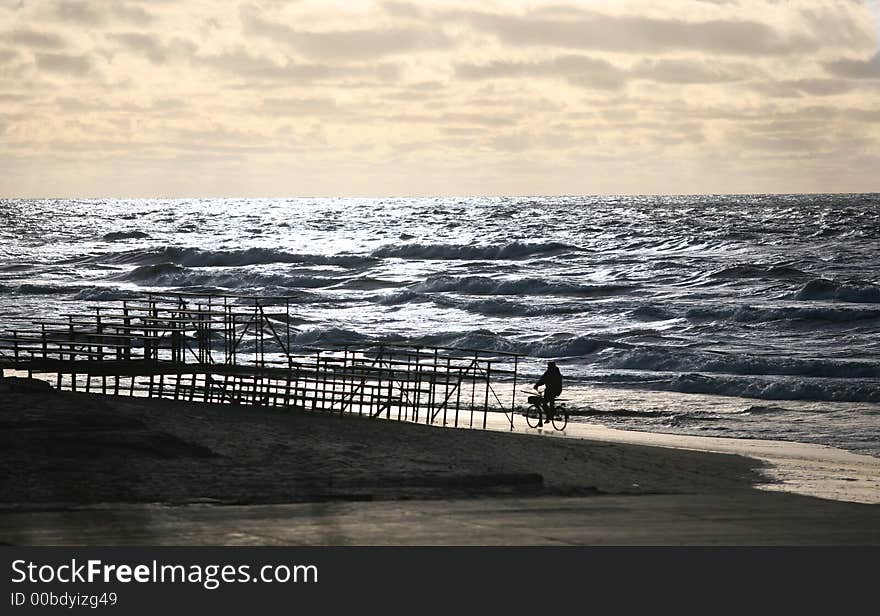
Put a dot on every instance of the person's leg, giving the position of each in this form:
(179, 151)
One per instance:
(549, 405)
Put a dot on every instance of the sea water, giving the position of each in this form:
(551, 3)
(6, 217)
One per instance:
(753, 316)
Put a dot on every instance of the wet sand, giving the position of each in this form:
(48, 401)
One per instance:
(90, 469)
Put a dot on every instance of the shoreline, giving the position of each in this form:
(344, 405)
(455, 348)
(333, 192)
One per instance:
(87, 469)
(808, 469)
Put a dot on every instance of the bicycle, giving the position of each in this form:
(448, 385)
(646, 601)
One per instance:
(534, 412)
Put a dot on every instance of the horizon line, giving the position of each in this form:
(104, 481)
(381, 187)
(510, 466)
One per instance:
(448, 196)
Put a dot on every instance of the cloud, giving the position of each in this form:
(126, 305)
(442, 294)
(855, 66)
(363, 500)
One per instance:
(67, 104)
(598, 73)
(33, 38)
(443, 120)
(64, 64)
(152, 47)
(856, 69)
(8, 55)
(636, 34)
(346, 45)
(403, 9)
(97, 14)
(532, 95)
(687, 71)
(240, 63)
(298, 106)
(794, 88)
(579, 70)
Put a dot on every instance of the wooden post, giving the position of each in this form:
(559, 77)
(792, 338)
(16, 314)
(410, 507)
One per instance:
(446, 388)
(461, 374)
(513, 395)
(488, 387)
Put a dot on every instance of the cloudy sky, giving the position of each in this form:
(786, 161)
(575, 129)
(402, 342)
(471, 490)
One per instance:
(347, 97)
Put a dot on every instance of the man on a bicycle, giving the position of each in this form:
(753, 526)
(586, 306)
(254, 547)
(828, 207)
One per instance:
(552, 381)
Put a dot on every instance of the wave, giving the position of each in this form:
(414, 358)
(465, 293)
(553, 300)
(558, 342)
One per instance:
(825, 289)
(555, 346)
(764, 410)
(577, 346)
(753, 314)
(403, 297)
(367, 283)
(776, 389)
(125, 235)
(481, 285)
(500, 307)
(172, 275)
(652, 313)
(750, 270)
(759, 387)
(452, 252)
(103, 294)
(682, 360)
(194, 257)
(329, 336)
(488, 307)
(153, 272)
(35, 289)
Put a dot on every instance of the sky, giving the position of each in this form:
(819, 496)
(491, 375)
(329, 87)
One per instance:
(211, 98)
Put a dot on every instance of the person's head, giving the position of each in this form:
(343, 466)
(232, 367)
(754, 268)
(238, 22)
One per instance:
(551, 364)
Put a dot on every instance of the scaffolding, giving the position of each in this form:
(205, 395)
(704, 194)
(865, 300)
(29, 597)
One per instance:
(243, 350)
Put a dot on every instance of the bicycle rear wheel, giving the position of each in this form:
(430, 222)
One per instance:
(560, 420)
(533, 415)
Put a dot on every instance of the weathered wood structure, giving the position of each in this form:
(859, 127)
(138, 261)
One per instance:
(243, 350)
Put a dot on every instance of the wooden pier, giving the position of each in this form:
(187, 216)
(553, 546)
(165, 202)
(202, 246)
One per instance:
(242, 350)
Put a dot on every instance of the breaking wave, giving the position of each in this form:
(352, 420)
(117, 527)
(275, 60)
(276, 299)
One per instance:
(754, 314)
(824, 289)
(172, 275)
(776, 389)
(781, 272)
(684, 360)
(34, 289)
(511, 251)
(482, 285)
(556, 346)
(194, 257)
(124, 235)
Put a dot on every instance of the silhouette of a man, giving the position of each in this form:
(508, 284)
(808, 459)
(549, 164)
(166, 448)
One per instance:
(552, 382)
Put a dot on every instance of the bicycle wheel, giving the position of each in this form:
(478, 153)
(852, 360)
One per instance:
(533, 415)
(560, 419)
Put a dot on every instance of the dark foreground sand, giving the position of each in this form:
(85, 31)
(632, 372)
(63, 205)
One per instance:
(70, 461)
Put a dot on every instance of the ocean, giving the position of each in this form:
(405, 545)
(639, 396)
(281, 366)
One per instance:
(749, 316)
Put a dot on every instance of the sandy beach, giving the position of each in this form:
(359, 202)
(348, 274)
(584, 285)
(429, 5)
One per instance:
(158, 467)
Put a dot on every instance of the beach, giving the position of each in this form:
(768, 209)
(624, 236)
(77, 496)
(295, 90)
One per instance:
(88, 469)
